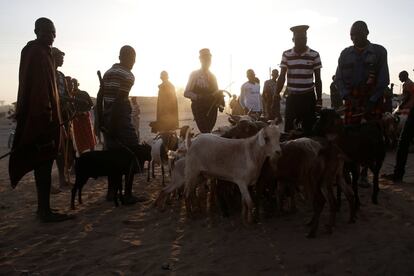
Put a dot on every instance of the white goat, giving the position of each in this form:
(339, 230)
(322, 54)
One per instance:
(234, 160)
(159, 152)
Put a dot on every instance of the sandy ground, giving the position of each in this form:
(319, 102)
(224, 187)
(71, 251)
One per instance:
(140, 240)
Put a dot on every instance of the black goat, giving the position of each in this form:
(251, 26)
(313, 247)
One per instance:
(363, 145)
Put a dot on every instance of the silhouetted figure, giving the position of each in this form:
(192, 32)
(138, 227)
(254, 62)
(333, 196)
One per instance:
(120, 132)
(407, 133)
(167, 106)
(271, 99)
(38, 130)
(202, 89)
(67, 110)
(388, 95)
(250, 98)
(85, 139)
(302, 66)
(135, 114)
(336, 99)
(362, 76)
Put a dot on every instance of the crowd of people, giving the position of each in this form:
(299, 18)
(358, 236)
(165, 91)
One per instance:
(54, 119)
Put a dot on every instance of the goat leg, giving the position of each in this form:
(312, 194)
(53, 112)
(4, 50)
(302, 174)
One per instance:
(318, 204)
(375, 185)
(72, 199)
(349, 196)
(162, 173)
(149, 171)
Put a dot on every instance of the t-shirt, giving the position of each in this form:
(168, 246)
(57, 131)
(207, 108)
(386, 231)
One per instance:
(250, 97)
(300, 69)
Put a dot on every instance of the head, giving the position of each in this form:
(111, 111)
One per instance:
(333, 78)
(275, 74)
(403, 76)
(164, 76)
(127, 57)
(134, 100)
(329, 123)
(75, 84)
(300, 38)
(205, 59)
(234, 96)
(359, 34)
(45, 31)
(269, 140)
(251, 76)
(58, 56)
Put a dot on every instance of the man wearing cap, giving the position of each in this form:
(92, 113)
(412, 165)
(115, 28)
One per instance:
(120, 132)
(202, 89)
(362, 76)
(302, 65)
(270, 108)
(37, 135)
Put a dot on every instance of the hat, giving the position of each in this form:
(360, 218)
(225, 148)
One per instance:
(299, 29)
(205, 52)
(56, 51)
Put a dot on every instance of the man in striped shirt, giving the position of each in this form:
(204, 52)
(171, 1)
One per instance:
(302, 65)
(117, 83)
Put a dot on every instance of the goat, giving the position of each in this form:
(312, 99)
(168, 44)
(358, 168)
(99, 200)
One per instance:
(176, 184)
(362, 145)
(234, 160)
(159, 152)
(315, 165)
(109, 163)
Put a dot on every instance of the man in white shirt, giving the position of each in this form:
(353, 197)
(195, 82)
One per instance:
(250, 98)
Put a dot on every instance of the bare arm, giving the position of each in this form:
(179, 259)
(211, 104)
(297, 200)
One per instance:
(318, 86)
(281, 80)
(188, 93)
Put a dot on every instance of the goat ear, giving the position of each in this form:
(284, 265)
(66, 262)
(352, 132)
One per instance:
(262, 140)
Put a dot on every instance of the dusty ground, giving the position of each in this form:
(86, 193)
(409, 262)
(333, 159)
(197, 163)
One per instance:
(139, 240)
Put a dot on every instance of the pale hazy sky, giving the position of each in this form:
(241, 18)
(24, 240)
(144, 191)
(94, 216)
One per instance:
(167, 35)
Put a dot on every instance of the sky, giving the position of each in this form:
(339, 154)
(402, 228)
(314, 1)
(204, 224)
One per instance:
(167, 35)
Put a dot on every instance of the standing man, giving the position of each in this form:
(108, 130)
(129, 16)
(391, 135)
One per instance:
(85, 139)
(407, 133)
(67, 110)
(336, 99)
(362, 76)
(271, 109)
(250, 98)
(167, 107)
(117, 121)
(135, 114)
(38, 130)
(302, 66)
(202, 90)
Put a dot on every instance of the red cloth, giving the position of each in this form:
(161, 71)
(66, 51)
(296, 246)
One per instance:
(83, 131)
(37, 136)
(355, 108)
